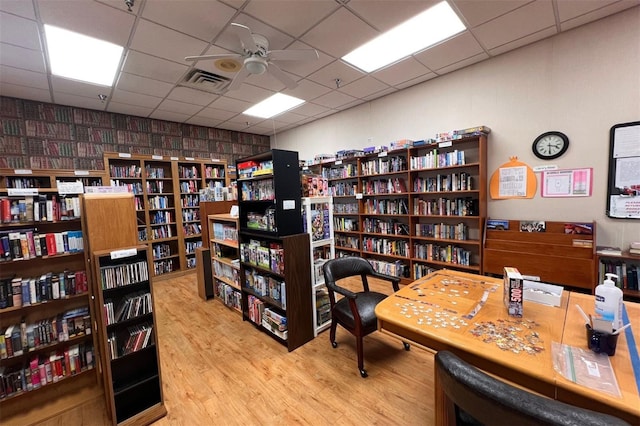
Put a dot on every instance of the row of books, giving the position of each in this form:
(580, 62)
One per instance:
(445, 207)
(189, 187)
(345, 208)
(25, 291)
(136, 338)
(444, 183)
(395, 269)
(389, 227)
(133, 305)
(228, 295)
(384, 165)
(17, 339)
(163, 266)
(385, 246)
(29, 244)
(628, 273)
(347, 242)
(345, 224)
(132, 171)
(191, 246)
(258, 190)
(262, 254)
(274, 322)
(42, 370)
(223, 232)
(434, 160)
(448, 253)
(255, 309)
(39, 209)
(266, 286)
(123, 275)
(380, 206)
(442, 230)
(384, 186)
(226, 271)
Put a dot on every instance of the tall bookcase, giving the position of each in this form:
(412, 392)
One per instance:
(317, 215)
(412, 210)
(167, 199)
(275, 266)
(47, 339)
(129, 355)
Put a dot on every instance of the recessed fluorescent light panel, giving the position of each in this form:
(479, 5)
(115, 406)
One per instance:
(273, 106)
(80, 57)
(418, 33)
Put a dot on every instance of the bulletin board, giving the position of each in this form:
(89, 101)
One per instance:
(623, 189)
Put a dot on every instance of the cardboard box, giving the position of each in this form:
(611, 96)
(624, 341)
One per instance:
(547, 294)
(513, 288)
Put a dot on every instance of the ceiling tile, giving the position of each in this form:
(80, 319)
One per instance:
(334, 100)
(200, 19)
(292, 17)
(192, 96)
(338, 69)
(386, 14)
(379, 94)
(18, 7)
(289, 117)
(340, 33)
(229, 39)
(19, 31)
(307, 90)
(304, 68)
(586, 17)
(417, 80)
(20, 57)
(137, 99)
(238, 127)
(179, 107)
(137, 84)
(203, 121)
(229, 104)
(449, 52)
(64, 85)
(402, 71)
(572, 9)
(129, 109)
(350, 105)
(249, 93)
(155, 68)
(463, 63)
(169, 116)
(515, 25)
(267, 81)
(162, 42)
(79, 16)
(25, 92)
(216, 114)
(310, 109)
(79, 101)
(18, 76)
(363, 87)
(523, 41)
(478, 12)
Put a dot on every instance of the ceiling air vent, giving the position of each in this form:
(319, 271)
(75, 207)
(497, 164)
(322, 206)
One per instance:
(206, 81)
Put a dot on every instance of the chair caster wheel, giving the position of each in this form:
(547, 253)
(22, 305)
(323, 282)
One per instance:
(363, 373)
(334, 344)
(406, 346)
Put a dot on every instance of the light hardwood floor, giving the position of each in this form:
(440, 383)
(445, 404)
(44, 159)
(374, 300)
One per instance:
(219, 370)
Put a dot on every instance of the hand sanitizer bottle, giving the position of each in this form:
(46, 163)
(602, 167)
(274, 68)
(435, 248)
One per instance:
(609, 301)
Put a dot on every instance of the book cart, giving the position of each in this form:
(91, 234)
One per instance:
(47, 341)
(274, 252)
(127, 334)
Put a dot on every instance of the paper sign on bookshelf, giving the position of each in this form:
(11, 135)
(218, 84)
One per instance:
(119, 254)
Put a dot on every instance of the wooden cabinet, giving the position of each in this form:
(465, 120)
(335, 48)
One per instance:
(317, 216)
(126, 328)
(626, 267)
(223, 243)
(275, 266)
(167, 200)
(47, 338)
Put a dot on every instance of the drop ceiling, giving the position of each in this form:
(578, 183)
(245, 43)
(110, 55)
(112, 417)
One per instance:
(158, 34)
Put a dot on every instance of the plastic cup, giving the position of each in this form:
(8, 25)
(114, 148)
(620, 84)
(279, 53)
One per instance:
(601, 341)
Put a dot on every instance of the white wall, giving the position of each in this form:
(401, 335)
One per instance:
(580, 82)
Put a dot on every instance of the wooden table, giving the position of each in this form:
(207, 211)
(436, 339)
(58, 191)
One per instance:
(438, 312)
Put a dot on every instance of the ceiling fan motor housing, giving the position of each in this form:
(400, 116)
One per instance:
(261, 43)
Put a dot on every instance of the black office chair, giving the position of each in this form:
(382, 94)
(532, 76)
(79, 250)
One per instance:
(355, 311)
(475, 398)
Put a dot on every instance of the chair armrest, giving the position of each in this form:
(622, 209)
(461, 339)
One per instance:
(343, 291)
(395, 281)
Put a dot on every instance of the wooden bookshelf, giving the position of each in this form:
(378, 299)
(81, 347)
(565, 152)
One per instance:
(51, 284)
(554, 255)
(225, 257)
(167, 199)
(626, 267)
(46, 180)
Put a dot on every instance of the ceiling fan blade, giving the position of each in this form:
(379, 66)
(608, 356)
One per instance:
(244, 34)
(239, 78)
(220, 55)
(280, 75)
(294, 55)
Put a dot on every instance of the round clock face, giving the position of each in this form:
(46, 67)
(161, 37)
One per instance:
(550, 145)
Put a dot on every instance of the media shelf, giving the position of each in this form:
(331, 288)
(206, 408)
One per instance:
(167, 202)
(626, 267)
(47, 345)
(223, 244)
(275, 262)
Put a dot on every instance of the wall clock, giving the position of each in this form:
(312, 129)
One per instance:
(550, 145)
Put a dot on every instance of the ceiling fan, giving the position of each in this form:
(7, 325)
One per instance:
(256, 58)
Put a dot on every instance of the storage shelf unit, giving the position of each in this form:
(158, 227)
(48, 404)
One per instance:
(167, 198)
(43, 281)
(317, 215)
(412, 210)
(223, 243)
(275, 262)
(626, 267)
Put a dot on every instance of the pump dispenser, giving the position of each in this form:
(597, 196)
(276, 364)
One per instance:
(609, 301)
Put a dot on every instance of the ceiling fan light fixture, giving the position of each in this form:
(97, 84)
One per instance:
(255, 65)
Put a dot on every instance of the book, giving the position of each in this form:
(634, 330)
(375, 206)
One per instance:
(635, 245)
(609, 250)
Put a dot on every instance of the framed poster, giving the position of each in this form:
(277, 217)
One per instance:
(567, 183)
(623, 189)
